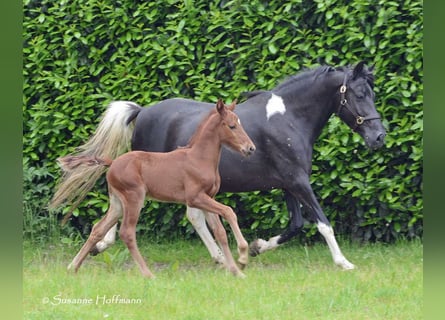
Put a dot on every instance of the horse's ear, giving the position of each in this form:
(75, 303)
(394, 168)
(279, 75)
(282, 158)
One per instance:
(371, 68)
(358, 69)
(231, 107)
(220, 107)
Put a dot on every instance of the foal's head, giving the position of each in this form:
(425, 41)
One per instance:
(231, 131)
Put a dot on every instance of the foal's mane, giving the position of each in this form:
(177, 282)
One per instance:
(200, 128)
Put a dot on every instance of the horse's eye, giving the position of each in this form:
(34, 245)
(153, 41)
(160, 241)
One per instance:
(232, 126)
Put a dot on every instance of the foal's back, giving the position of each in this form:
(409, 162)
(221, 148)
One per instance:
(158, 175)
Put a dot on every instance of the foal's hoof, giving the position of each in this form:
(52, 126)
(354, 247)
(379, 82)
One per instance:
(71, 268)
(242, 265)
(254, 248)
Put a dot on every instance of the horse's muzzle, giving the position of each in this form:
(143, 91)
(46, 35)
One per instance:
(378, 142)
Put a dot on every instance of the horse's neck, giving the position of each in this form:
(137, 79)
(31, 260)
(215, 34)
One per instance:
(315, 107)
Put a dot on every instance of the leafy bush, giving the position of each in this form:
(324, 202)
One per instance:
(79, 56)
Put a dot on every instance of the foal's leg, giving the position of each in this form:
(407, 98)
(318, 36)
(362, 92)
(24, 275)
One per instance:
(133, 201)
(198, 220)
(98, 232)
(206, 203)
(215, 224)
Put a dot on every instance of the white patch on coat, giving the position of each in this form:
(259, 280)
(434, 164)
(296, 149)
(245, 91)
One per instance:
(275, 105)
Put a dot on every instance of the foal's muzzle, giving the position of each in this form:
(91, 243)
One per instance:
(248, 151)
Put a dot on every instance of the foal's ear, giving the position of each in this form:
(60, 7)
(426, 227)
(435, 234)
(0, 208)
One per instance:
(231, 107)
(220, 107)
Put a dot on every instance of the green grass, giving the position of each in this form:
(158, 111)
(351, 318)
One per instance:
(292, 282)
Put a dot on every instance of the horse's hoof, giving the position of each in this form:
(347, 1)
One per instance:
(254, 248)
(348, 266)
(345, 265)
(94, 251)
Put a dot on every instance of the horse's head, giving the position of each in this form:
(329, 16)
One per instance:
(357, 108)
(232, 132)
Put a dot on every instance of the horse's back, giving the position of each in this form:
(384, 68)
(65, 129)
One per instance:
(168, 124)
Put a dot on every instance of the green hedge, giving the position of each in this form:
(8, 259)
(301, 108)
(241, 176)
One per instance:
(80, 55)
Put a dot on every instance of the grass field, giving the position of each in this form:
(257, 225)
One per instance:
(292, 282)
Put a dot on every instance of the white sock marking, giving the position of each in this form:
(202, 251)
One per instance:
(197, 219)
(337, 255)
(271, 244)
(108, 240)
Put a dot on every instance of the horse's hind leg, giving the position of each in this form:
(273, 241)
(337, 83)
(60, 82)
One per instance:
(206, 203)
(133, 202)
(98, 232)
(259, 246)
(106, 242)
(198, 220)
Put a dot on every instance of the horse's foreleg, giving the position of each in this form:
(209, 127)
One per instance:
(198, 220)
(98, 232)
(338, 257)
(307, 197)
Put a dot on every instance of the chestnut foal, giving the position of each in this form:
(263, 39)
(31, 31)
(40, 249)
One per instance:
(187, 175)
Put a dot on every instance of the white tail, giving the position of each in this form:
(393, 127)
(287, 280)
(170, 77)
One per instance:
(112, 138)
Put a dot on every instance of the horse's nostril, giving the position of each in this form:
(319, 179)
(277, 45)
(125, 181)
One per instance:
(252, 149)
(381, 137)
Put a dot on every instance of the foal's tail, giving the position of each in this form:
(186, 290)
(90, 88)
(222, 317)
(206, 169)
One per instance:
(112, 138)
(70, 163)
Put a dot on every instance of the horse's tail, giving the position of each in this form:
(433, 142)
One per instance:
(112, 138)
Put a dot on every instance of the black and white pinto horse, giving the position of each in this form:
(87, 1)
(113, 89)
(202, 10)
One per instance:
(283, 123)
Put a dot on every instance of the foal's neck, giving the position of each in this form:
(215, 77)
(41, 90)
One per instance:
(206, 143)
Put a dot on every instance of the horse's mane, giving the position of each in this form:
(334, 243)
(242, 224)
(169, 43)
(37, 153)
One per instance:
(313, 73)
(321, 70)
(200, 128)
(304, 75)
